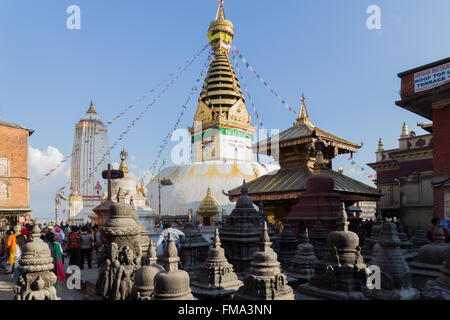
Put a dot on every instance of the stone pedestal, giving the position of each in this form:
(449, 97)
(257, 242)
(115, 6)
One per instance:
(215, 278)
(439, 289)
(36, 281)
(301, 268)
(342, 274)
(241, 232)
(319, 200)
(265, 280)
(429, 261)
(172, 284)
(194, 249)
(395, 273)
(287, 247)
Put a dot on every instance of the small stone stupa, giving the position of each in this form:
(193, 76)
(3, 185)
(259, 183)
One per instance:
(369, 244)
(409, 251)
(121, 254)
(419, 238)
(171, 284)
(439, 289)
(194, 249)
(395, 274)
(241, 232)
(302, 265)
(429, 261)
(318, 237)
(144, 280)
(287, 247)
(216, 278)
(265, 280)
(341, 274)
(273, 231)
(37, 280)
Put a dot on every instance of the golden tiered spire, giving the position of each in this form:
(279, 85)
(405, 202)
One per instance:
(91, 109)
(404, 131)
(123, 164)
(220, 11)
(303, 117)
(380, 145)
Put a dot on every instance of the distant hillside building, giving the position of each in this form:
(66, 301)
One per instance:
(14, 179)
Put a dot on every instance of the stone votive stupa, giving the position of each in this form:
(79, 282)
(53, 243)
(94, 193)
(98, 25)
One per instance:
(439, 289)
(273, 231)
(395, 276)
(429, 261)
(265, 280)
(215, 278)
(341, 274)
(287, 246)
(144, 281)
(121, 254)
(301, 268)
(240, 232)
(318, 236)
(419, 238)
(409, 251)
(171, 284)
(194, 249)
(370, 242)
(37, 280)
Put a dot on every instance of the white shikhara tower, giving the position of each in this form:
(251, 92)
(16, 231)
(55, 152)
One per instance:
(90, 144)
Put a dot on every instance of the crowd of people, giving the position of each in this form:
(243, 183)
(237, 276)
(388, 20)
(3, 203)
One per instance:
(78, 243)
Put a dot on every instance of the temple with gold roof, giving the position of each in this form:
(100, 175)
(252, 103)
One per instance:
(304, 150)
(222, 136)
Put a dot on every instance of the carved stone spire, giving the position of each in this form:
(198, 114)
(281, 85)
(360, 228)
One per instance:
(302, 265)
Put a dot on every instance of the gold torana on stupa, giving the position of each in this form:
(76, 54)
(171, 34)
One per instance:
(208, 210)
(221, 137)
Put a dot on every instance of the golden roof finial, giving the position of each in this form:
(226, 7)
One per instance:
(91, 109)
(123, 164)
(380, 145)
(220, 11)
(303, 117)
(221, 32)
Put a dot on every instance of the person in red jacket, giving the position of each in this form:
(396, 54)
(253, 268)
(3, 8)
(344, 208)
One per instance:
(74, 247)
(435, 222)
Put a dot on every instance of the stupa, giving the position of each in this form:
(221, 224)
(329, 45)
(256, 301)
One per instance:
(439, 289)
(301, 268)
(395, 274)
(208, 211)
(319, 238)
(369, 244)
(194, 248)
(90, 145)
(429, 261)
(216, 278)
(36, 281)
(341, 274)
(419, 238)
(241, 232)
(409, 251)
(221, 136)
(145, 277)
(265, 280)
(274, 233)
(171, 284)
(288, 246)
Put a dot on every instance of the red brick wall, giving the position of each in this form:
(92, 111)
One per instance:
(441, 141)
(14, 147)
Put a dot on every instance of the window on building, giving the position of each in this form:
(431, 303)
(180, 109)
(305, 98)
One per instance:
(4, 170)
(447, 205)
(4, 191)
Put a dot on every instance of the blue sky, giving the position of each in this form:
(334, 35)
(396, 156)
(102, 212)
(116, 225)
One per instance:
(48, 73)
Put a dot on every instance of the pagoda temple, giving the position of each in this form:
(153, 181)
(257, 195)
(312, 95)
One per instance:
(299, 148)
(221, 138)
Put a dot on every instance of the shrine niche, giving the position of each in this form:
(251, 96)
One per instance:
(4, 170)
(4, 190)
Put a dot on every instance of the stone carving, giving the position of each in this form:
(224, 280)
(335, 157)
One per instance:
(241, 232)
(216, 278)
(273, 231)
(369, 244)
(439, 289)
(120, 257)
(301, 268)
(429, 260)
(419, 238)
(265, 280)
(341, 274)
(144, 280)
(36, 281)
(172, 284)
(395, 273)
(318, 237)
(287, 247)
(194, 248)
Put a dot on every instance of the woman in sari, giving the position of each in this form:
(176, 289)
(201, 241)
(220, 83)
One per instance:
(56, 251)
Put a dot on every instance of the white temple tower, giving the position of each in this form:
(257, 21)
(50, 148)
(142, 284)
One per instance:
(90, 145)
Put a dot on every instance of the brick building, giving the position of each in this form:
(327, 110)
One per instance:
(425, 90)
(14, 180)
